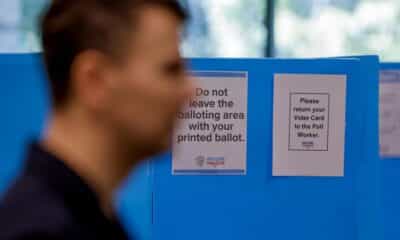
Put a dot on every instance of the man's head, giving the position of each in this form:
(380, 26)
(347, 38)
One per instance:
(118, 63)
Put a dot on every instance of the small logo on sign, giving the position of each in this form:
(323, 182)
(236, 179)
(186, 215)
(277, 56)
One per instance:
(216, 161)
(307, 144)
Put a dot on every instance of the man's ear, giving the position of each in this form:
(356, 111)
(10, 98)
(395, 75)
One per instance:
(89, 76)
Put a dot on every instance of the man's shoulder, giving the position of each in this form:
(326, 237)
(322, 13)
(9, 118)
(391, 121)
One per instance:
(31, 209)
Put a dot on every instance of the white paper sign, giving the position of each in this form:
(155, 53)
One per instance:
(390, 113)
(309, 125)
(211, 137)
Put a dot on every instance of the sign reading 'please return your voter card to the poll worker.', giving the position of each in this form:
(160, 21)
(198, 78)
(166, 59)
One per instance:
(212, 133)
(309, 125)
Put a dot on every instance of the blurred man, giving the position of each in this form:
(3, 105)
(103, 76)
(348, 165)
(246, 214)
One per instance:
(117, 81)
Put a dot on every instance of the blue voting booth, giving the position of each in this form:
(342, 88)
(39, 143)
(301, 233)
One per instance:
(390, 166)
(155, 204)
(259, 206)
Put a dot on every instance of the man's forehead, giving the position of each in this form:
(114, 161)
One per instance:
(153, 17)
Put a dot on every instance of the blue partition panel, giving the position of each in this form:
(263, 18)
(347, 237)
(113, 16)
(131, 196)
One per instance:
(391, 177)
(259, 206)
(368, 188)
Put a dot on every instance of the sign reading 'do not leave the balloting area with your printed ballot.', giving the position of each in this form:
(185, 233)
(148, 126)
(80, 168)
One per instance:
(212, 133)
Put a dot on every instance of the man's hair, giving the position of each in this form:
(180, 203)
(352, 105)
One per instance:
(70, 27)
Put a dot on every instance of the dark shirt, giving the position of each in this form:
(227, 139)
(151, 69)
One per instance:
(49, 201)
